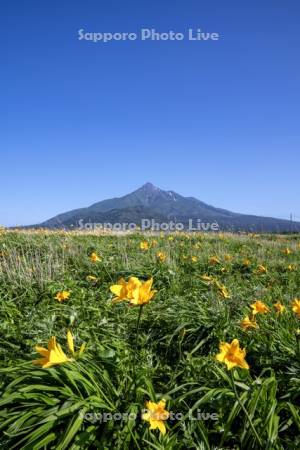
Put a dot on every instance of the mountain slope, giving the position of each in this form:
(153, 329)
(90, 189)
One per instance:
(150, 202)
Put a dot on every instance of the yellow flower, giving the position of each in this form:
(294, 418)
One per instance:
(291, 267)
(208, 279)
(248, 323)
(143, 294)
(124, 290)
(194, 259)
(52, 355)
(91, 278)
(259, 307)
(279, 307)
(214, 260)
(246, 262)
(133, 284)
(144, 245)
(94, 257)
(171, 238)
(161, 256)
(134, 291)
(228, 257)
(70, 341)
(120, 290)
(261, 269)
(232, 355)
(296, 307)
(222, 290)
(287, 251)
(156, 415)
(62, 295)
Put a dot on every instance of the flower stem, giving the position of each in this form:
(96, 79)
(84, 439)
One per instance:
(136, 345)
(245, 411)
(138, 323)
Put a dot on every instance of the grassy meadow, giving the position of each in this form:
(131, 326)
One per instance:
(159, 345)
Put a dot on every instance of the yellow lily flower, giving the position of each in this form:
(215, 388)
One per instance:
(246, 262)
(124, 290)
(94, 257)
(156, 415)
(143, 294)
(70, 342)
(214, 260)
(248, 323)
(120, 290)
(279, 307)
(232, 355)
(287, 251)
(222, 290)
(161, 256)
(261, 269)
(207, 278)
(91, 278)
(52, 355)
(134, 291)
(296, 307)
(62, 295)
(144, 245)
(259, 308)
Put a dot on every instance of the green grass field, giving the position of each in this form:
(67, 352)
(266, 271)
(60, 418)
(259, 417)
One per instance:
(165, 349)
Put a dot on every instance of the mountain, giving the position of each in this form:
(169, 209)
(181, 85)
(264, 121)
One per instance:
(150, 202)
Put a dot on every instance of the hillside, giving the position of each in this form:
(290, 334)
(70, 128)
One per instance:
(151, 202)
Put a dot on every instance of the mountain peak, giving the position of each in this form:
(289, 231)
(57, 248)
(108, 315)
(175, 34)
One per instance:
(149, 187)
(151, 202)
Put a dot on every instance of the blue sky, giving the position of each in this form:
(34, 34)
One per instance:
(83, 121)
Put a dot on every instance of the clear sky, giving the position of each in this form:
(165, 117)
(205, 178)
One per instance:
(83, 121)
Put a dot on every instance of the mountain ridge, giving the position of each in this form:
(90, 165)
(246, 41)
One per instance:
(151, 202)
